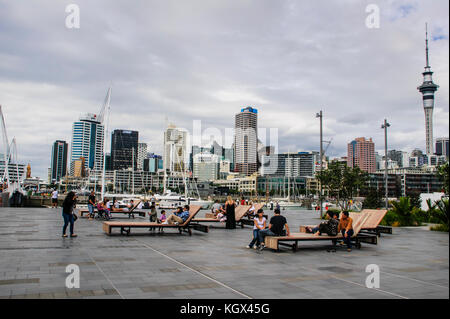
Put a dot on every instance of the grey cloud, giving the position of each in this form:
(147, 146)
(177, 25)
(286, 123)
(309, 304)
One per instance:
(203, 60)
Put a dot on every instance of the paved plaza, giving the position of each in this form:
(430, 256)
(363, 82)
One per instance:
(413, 262)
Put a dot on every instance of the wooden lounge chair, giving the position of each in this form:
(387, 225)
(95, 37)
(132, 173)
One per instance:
(248, 219)
(372, 224)
(239, 212)
(241, 216)
(125, 227)
(292, 241)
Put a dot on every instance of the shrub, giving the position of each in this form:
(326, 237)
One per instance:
(403, 214)
(439, 213)
(440, 227)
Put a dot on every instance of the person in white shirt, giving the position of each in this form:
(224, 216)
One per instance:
(260, 224)
(55, 199)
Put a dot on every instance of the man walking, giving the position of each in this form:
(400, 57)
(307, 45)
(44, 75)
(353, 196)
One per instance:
(55, 198)
(91, 205)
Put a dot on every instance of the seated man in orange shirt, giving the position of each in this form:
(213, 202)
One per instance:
(346, 227)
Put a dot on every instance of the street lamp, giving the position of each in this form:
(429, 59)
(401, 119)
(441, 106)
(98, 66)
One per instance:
(385, 126)
(320, 116)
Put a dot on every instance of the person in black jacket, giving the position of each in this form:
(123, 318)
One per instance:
(68, 207)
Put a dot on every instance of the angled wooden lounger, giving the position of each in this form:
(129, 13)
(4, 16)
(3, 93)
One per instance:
(239, 213)
(372, 225)
(293, 240)
(130, 212)
(125, 227)
(248, 219)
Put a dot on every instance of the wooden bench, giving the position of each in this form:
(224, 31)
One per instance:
(274, 242)
(130, 212)
(125, 227)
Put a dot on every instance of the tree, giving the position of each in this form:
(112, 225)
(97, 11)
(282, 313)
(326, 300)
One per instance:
(373, 200)
(443, 175)
(342, 182)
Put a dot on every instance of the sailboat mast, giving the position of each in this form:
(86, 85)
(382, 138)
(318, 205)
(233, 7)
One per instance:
(105, 108)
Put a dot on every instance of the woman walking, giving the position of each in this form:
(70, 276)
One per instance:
(230, 206)
(68, 207)
(260, 224)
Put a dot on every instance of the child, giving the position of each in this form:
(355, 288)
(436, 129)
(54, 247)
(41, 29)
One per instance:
(162, 220)
(163, 217)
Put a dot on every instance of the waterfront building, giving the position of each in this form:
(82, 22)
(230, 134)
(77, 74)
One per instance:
(428, 88)
(246, 141)
(141, 155)
(175, 149)
(17, 171)
(361, 153)
(241, 184)
(442, 146)
(401, 157)
(87, 142)
(124, 149)
(206, 166)
(301, 164)
(60, 151)
(79, 168)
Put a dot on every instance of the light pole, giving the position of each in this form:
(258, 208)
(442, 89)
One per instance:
(385, 126)
(320, 116)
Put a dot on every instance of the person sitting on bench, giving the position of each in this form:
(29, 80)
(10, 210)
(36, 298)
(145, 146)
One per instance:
(215, 209)
(329, 227)
(277, 227)
(252, 210)
(346, 227)
(178, 217)
(163, 217)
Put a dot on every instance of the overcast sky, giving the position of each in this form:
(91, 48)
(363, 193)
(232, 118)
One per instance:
(204, 60)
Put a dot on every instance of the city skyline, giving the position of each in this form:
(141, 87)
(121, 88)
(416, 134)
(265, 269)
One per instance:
(288, 71)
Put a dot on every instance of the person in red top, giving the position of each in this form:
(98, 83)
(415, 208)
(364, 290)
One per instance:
(242, 201)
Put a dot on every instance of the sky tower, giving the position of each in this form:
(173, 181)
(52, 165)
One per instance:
(427, 89)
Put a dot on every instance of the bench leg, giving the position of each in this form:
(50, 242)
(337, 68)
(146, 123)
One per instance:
(295, 246)
(126, 231)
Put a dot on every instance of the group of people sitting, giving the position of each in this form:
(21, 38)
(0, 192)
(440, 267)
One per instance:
(278, 226)
(335, 225)
(105, 207)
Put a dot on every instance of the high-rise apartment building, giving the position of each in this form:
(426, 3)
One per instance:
(124, 149)
(361, 153)
(141, 155)
(206, 167)
(60, 151)
(87, 142)
(176, 157)
(246, 141)
(442, 146)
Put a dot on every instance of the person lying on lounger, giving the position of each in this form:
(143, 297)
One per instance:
(329, 227)
(179, 217)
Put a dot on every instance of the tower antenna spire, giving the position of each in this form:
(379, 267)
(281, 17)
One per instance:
(426, 44)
